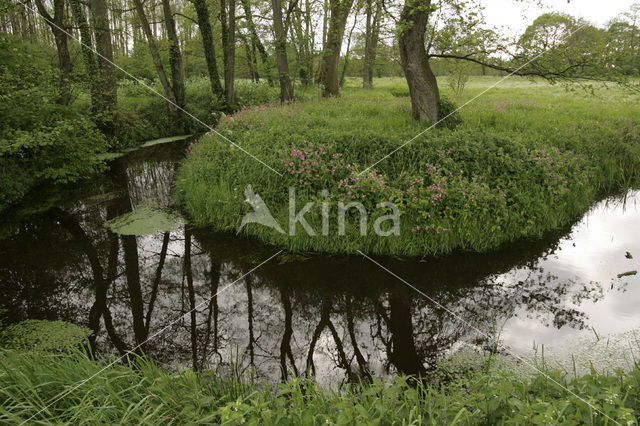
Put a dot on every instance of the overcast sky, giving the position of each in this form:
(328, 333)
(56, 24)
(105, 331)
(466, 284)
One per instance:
(518, 15)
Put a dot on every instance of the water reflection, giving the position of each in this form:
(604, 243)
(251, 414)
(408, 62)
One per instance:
(337, 317)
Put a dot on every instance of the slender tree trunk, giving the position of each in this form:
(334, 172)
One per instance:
(423, 87)
(228, 20)
(56, 23)
(175, 56)
(255, 40)
(155, 55)
(286, 89)
(372, 33)
(202, 11)
(106, 105)
(346, 56)
(331, 55)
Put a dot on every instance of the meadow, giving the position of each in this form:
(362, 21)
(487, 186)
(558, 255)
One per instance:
(518, 160)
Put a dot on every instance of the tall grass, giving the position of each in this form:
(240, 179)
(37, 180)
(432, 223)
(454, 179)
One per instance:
(42, 388)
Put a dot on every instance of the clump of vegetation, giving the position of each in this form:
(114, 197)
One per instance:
(43, 335)
(77, 387)
(500, 175)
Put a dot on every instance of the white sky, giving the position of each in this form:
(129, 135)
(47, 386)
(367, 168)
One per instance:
(516, 16)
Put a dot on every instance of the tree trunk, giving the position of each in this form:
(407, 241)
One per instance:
(228, 20)
(331, 55)
(87, 54)
(175, 57)
(107, 92)
(372, 33)
(155, 55)
(202, 10)
(56, 23)
(286, 89)
(346, 56)
(423, 86)
(255, 40)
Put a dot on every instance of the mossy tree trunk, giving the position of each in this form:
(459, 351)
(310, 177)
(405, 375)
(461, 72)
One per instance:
(286, 89)
(202, 11)
(228, 21)
(107, 92)
(175, 56)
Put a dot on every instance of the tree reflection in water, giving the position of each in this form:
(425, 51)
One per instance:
(339, 318)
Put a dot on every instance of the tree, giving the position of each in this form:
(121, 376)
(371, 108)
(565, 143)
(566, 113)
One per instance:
(155, 55)
(329, 78)
(202, 11)
(228, 21)
(286, 90)
(175, 56)
(423, 87)
(106, 91)
(57, 25)
(371, 36)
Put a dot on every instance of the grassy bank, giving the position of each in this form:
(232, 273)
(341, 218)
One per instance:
(45, 385)
(524, 158)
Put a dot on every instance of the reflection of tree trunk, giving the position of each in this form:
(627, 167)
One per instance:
(212, 316)
(285, 345)
(250, 318)
(362, 363)
(132, 271)
(156, 281)
(404, 356)
(192, 298)
(99, 307)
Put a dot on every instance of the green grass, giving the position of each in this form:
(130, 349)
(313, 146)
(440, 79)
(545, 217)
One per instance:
(57, 388)
(528, 157)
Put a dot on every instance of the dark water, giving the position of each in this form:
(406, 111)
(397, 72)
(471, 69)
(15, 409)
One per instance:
(342, 315)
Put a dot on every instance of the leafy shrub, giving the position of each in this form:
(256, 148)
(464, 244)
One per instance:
(448, 113)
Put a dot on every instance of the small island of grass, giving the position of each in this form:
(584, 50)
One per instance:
(521, 160)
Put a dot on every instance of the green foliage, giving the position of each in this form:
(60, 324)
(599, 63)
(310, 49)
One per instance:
(514, 168)
(42, 335)
(145, 393)
(40, 141)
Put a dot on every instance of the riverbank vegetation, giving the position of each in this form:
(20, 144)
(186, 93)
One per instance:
(70, 387)
(521, 160)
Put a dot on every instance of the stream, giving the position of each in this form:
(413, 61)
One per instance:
(341, 315)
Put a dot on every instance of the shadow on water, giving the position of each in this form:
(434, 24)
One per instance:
(338, 317)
